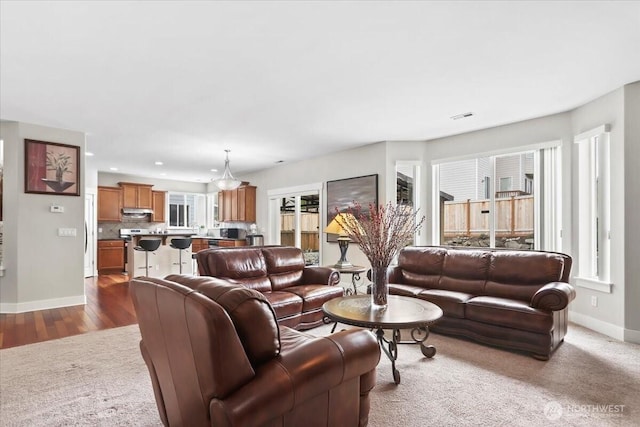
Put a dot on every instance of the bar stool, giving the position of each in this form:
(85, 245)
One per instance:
(180, 244)
(147, 245)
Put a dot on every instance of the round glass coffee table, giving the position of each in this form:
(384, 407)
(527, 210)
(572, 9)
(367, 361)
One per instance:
(401, 313)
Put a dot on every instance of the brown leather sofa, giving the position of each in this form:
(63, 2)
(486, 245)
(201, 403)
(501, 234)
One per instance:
(295, 292)
(217, 357)
(512, 299)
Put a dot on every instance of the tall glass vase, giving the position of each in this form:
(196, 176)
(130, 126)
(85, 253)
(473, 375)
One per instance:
(379, 287)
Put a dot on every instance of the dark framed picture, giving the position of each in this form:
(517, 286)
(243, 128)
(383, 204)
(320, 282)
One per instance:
(51, 168)
(343, 192)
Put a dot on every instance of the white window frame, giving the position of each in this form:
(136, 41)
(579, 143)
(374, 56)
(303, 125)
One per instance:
(416, 171)
(548, 203)
(594, 210)
(199, 214)
(275, 195)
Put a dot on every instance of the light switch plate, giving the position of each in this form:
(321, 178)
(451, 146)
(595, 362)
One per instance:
(57, 209)
(67, 232)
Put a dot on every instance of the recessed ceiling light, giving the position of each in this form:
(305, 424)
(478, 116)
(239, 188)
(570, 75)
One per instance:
(159, 163)
(462, 116)
(214, 170)
(163, 174)
(113, 169)
(88, 153)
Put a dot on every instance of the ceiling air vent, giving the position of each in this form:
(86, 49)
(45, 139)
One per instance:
(462, 116)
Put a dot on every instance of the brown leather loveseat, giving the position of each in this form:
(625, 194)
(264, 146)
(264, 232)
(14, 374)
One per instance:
(217, 357)
(296, 292)
(512, 299)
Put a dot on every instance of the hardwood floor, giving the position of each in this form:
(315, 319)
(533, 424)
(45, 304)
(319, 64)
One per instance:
(108, 305)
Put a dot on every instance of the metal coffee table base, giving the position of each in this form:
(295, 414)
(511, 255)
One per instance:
(390, 346)
(400, 313)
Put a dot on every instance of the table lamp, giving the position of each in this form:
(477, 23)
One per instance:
(335, 227)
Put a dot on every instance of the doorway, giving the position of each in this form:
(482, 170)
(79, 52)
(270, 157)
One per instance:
(294, 220)
(89, 235)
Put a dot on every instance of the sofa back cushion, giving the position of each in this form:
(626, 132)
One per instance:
(465, 270)
(245, 266)
(519, 274)
(421, 266)
(285, 265)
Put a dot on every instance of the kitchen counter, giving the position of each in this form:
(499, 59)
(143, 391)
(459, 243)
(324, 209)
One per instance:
(162, 262)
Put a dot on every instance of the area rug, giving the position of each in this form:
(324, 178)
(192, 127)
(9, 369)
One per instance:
(99, 379)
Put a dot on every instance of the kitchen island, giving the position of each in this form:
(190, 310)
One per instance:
(162, 262)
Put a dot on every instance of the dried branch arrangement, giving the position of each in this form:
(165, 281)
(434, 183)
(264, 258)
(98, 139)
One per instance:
(382, 230)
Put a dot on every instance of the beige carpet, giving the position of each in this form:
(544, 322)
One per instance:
(99, 379)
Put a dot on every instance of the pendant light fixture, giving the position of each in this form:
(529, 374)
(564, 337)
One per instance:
(227, 182)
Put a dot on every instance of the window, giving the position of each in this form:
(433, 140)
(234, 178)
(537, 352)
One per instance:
(186, 210)
(489, 200)
(408, 187)
(505, 183)
(593, 209)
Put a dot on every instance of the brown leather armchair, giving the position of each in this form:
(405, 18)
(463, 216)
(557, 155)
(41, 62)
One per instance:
(217, 356)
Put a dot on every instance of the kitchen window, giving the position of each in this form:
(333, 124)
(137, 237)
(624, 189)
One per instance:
(187, 210)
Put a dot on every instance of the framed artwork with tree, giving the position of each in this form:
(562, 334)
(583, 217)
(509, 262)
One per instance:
(51, 168)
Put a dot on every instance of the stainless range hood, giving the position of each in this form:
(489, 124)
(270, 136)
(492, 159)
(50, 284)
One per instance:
(136, 213)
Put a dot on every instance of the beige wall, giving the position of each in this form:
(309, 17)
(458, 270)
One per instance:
(632, 211)
(42, 269)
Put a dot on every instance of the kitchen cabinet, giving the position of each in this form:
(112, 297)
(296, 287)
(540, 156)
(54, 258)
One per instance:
(158, 206)
(109, 204)
(238, 204)
(136, 195)
(231, 243)
(110, 256)
(199, 244)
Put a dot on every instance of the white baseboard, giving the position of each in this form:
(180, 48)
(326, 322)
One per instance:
(605, 328)
(45, 304)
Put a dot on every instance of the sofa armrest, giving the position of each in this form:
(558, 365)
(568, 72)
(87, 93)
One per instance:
(320, 276)
(296, 376)
(553, 296)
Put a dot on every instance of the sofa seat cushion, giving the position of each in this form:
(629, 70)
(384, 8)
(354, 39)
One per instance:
(452, 303)
(313, 296)
(285, 304)
(509, 313)
(405, 290)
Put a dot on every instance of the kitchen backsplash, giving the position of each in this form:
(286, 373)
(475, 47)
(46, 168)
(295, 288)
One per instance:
(111, 230)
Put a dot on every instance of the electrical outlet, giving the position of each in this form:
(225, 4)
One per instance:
(594, 301)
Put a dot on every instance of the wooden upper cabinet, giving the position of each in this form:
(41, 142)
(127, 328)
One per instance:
(136, 195)
(109, 204)
(238, 204)
(158, 206)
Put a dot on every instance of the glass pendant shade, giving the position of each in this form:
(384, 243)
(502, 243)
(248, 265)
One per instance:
(227, 182)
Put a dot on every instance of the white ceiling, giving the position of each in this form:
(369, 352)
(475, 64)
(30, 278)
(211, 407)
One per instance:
(181, 81)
